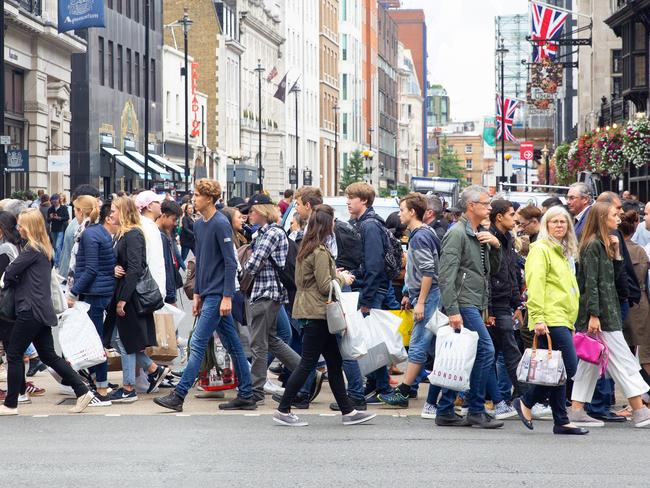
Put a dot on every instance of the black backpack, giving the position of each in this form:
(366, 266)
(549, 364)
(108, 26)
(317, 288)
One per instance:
(393, 252)
(287, 274)
(348, 243)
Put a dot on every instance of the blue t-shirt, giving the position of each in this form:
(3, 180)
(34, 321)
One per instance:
(216, 263)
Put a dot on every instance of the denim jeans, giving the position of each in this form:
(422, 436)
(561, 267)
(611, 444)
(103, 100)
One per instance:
(562, 339)
(98, 305)
(473, 321)
(284, 329)
(129, 361)
(211, 321)
(421, 337)
(503, 379)
(57, 240)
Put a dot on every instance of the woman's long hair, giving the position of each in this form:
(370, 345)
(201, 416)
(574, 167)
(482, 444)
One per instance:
(230, 214)
(89, 207)
(8, 228)
(570, 242)
(129, 216)
(596, 228)
(31, 220)
(319, 228)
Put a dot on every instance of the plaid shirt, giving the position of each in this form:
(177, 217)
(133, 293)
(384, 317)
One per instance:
(271, 242)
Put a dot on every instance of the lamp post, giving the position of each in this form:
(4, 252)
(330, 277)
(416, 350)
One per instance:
(336, 146)
(186, 23)
(502, 51)
(295, 89)
(259, 70)
(417, 159)
(507, 158)
(370, 155)
(545, 153)
(2, 98)
(147, 11)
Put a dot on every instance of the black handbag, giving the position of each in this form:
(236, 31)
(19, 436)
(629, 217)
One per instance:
(8, 304)
(147, 297)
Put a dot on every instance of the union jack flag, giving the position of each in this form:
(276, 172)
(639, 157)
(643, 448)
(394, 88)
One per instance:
(546, 25)
(510, 105)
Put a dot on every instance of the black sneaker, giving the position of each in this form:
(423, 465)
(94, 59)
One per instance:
(317, 385)
(300, 402)
(100, 400)
(451, 420)
(239, 404)
(276, 369)
(156, 377)
(171, 401)
(35, 365)
(484, 421)
(356, 404)
(258, 398)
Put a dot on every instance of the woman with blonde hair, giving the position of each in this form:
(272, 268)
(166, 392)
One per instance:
(29, 275)
(129, 331)
(552, 310)
(86, 213)
(600, 316)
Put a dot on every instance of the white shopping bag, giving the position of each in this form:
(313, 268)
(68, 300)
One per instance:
(455, 356)
(382, 327)
(353, 341)
(78, 337)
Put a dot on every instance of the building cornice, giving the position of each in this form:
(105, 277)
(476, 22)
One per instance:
(263, 29)
(235, 46)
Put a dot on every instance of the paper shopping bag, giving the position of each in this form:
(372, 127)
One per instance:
(166, 349)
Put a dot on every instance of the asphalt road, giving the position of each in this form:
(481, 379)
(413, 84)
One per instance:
(243, 451)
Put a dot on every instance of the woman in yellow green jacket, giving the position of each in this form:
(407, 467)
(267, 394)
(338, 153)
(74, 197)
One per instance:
(553, 298)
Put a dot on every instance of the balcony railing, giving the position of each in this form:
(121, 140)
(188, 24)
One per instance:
(31, 6)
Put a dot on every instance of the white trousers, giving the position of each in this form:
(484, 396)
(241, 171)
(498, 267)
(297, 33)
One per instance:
(623, 367)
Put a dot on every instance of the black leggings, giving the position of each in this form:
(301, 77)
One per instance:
(28, 330)
(317, 340)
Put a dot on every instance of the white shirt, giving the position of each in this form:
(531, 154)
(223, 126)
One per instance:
(578, 217)
(642, 235)
(155, 256)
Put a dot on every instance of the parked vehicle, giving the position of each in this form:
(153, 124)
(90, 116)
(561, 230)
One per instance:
(447, 188)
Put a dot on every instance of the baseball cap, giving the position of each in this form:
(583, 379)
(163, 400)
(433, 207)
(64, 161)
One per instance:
(257, 199)
(146, 198)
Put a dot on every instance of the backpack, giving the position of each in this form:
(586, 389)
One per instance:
(246, 279)
(348, 242)
(393, 252)
(287, 273)
(190, 276)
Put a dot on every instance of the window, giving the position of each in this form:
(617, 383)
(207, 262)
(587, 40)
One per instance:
(617, 67)
(468, 180)
(110, 3)
(168, 102)
(119, 6)
(152, 16)
(136, 10)
(344, 47)
(468, 164)
(639, 70)
(344, 9)
(129, 87)
(127, 9)
(100, 49)
(639, 36)
(345, 125)
(153, 80)
(14, 91)
(617, 86)
(432, 167)
(120, 70)
(468, 149)
(344, 87)
(136, 72)
(111, 65)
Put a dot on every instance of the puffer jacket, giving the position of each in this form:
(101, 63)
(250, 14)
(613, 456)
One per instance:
(94, 271)
(505, 282)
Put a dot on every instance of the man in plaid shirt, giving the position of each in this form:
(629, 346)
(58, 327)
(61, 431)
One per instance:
(270, 248)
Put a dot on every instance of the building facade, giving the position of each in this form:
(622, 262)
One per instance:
(37, 91)
(108, 100)
(329, 95)
(468, 146)
(411, 103)
(438, 113)
(369, 76)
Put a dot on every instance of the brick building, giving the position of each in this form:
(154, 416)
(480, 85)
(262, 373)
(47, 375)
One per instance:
(329, 93)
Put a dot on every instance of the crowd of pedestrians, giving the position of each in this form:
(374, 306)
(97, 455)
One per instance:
(517, 276)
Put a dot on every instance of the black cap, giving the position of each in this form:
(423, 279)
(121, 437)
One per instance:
(257, 199)
(235, 201)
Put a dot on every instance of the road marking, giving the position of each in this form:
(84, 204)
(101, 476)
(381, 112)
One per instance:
(327, 414)
(252, 414)
(182, 414)
(113, 415)
(40, 416)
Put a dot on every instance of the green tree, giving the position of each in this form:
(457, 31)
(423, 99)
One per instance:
(448, 162)
(353, 171)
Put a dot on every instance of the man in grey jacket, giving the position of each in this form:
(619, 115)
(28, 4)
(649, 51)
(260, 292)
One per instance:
(469, 252)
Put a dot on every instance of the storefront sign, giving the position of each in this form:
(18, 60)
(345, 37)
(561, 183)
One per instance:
(17, 161)
(59, 163)
(196, 123)
(80, 14)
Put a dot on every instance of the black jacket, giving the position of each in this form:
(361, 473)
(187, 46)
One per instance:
(187, 232)
(30, 274)
(506, 283)
(627, 286)
(59, 223)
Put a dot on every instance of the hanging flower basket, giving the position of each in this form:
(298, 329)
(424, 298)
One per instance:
(636, 142)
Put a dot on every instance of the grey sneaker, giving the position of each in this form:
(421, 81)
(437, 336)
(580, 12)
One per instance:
(429, 411)
(355, 417)
(504, 411)
(288, 419)
(579, 418)
(641, 417)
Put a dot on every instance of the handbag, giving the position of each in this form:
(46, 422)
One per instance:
(246, 279)
(336, 320)
(147, 297)
(58, 297)
(592, 350)
(8, 304)
(437, 320)
(542, 368)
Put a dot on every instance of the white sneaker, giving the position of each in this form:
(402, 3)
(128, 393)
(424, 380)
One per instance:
(429, 411)
(504, 411)
(24, 398)
(8, 411)
(271, 388)
(641, 417)
(579, 418)
(288, 420)
(82, 402)
(541, 411)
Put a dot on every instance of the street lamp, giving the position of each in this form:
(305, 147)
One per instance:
(545, 153)
(336, 146)
(186, 23)
(147, 11)
(507, 158)
(259, 70)
(417, 159)
(368, 155)
(502, 51)
(295, 89)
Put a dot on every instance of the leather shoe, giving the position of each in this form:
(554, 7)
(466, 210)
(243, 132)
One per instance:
(516, 403)
(453, 420)
(484, 421)
(608, 417)
(564, 430)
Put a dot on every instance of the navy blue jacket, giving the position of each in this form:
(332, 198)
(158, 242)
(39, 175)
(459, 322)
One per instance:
(94, 271)
(372, 275)
(170, 282)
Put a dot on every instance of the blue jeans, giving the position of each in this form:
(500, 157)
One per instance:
(98, 305)
(57, 240)
(130, 361)
(503, 380)
(210, 321)
(421, 337)
(473, 321)
(562, 339)
(284, 329)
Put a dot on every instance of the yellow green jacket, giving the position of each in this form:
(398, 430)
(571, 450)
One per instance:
(553, 295)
